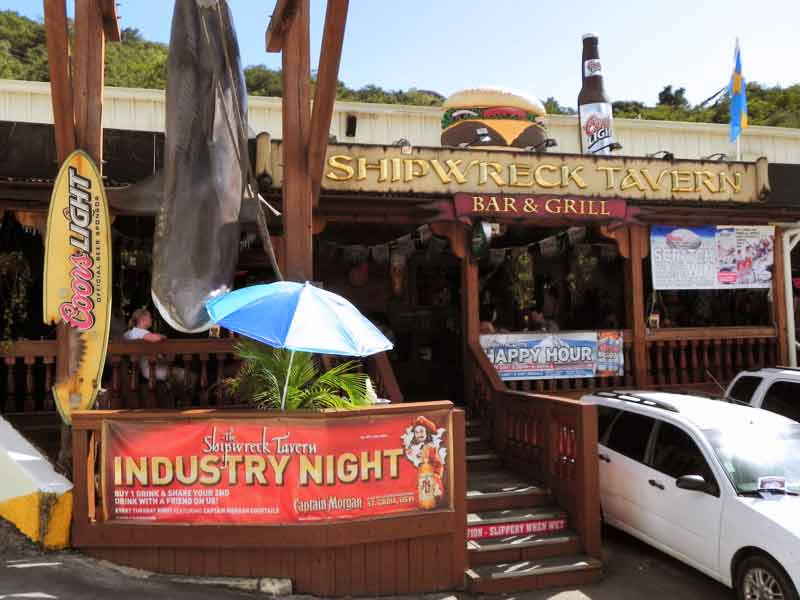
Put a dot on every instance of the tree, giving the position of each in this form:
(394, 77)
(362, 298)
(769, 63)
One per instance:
(552, 107)
(676, 99)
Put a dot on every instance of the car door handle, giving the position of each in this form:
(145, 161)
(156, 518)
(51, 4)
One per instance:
(604, 457)
(655, 484)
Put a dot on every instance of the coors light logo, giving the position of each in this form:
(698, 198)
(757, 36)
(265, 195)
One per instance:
(78, 312)
(592, 67)
(596, 129)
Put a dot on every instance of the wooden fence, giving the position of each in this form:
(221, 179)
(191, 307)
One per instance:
(388, 555)
(28, 370)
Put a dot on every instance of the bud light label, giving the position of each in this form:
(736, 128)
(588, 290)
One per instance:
(592, 68)
(597, 135)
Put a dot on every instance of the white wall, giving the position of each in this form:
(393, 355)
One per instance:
(143, 110)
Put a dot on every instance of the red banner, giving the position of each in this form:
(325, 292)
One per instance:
(277, 470)
(479, 532)
(516, 206)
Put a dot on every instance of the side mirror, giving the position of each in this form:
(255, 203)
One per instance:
(695, 483)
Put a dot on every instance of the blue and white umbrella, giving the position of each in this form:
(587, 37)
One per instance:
(300, 318)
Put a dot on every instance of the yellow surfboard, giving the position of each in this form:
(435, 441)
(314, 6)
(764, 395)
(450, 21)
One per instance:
(77, 278)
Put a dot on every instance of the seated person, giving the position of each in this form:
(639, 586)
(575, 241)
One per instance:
(139, 329)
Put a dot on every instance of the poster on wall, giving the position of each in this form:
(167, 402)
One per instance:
(277, 471)
(518, 356)
(711, 257)
(610, 354)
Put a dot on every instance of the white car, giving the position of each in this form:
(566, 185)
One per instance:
(776, 389)
(711, 483)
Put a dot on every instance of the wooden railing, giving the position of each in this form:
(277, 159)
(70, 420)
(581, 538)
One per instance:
(28, 369)
(682, 356)
(383, 378)
(549, 440)
(578, 384)
(29, 373)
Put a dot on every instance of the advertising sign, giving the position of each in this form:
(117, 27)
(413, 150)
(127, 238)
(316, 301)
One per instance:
(711, 257)
(610, 354)
(533, 526)
(77, 278)
(539, 208)
(277, 471)
(542, 355)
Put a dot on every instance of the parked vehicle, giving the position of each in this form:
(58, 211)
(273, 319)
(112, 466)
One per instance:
(774, 389)
(712, 483)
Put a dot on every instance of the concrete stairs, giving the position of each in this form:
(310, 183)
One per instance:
(517, 538)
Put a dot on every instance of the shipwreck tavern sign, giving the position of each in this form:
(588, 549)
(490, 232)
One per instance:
(390, 169)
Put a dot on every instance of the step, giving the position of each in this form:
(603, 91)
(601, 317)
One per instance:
(474, 428)
(517, 548)
(477, 445)
(515, 521)
(533, 574)
(482, 456)
(500, 490)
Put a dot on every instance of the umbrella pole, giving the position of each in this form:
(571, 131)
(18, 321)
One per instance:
(286, 383)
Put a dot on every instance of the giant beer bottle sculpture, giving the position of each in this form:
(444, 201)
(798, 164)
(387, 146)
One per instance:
(594, 107)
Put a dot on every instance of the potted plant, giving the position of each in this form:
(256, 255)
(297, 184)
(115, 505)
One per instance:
(268, 373)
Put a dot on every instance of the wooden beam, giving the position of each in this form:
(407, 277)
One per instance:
(55, 23)
(636, 318)
(297, 203)
(779, 299)
(110, 20)
(330, 56)
(88, 78)
(280, 23)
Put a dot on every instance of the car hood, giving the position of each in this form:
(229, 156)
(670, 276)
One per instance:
(783, 511)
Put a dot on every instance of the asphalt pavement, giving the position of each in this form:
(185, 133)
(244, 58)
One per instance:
(633, 571)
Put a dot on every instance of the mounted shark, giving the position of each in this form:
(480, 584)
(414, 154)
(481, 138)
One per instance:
(198, 196)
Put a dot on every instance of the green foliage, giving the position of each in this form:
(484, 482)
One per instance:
(23, 48)
(552, 107)
(676, 99)
(773, 106)
(262, 376)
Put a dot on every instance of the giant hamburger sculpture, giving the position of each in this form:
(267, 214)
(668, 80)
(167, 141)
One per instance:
(486, 117)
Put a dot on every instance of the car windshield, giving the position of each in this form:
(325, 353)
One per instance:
(758, 449)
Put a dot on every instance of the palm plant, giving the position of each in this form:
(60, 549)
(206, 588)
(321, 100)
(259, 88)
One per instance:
(264, 372)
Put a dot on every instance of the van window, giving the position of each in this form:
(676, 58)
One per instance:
(605, 416)
(783, 397)
(676, 454)
(744, 388)
(630, 434)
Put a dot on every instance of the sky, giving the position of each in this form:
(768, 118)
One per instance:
(447, 45)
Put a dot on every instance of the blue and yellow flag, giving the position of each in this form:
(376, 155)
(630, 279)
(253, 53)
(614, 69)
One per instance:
(736, 89)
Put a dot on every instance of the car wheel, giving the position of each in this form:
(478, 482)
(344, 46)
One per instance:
(761, 578)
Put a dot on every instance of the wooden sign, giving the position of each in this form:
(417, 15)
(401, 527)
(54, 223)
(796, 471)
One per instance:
(539, 208)
(77, 278)
(388, 169)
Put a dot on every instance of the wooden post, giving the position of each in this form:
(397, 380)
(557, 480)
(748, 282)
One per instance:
(77, 100)
(88, 78)
(636, 317)
(55, 22)
(55, 12)
(297, 191)
(779, 298)
(325, 93)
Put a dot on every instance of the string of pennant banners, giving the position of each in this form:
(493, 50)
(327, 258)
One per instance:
(423, 238)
